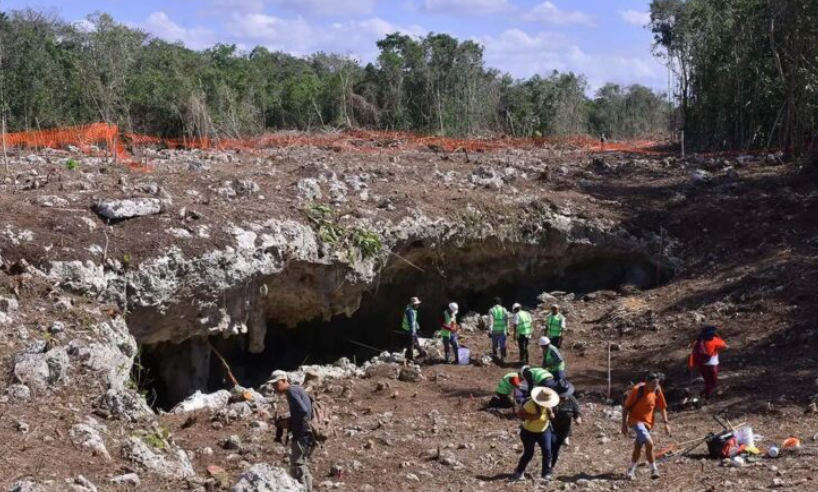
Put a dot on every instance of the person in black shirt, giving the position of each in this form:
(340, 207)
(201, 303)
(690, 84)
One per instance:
(303, 441)
(565, 414)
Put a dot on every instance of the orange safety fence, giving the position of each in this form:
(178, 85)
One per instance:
(91, 138)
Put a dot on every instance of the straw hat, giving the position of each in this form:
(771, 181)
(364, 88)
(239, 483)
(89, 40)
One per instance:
(545, 397)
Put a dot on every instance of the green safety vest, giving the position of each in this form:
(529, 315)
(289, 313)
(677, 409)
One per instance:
(549, 362)
(499, 317)
(505, 387)
(405, 323)
(538, 375)
(526, 324)
(553, 325)
(448, 319)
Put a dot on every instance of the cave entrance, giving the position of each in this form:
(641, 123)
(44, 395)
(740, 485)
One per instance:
(176, 371)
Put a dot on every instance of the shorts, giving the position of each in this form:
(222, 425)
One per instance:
(642, 433)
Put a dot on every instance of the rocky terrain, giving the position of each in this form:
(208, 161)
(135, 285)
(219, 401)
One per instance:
(118, 286)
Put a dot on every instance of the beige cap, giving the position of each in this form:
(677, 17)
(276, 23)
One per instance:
(545, 397)
(279, 376)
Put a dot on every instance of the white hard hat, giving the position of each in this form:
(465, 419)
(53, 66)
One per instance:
(453, 307)
(544, 341)
(516, 306)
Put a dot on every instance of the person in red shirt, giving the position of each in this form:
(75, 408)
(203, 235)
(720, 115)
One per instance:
(705, 357)
(638, 414)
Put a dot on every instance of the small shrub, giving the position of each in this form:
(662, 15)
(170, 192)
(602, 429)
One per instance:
(369, 243)
(72, 164)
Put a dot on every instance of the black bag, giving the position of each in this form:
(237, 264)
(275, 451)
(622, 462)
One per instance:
(718, 443)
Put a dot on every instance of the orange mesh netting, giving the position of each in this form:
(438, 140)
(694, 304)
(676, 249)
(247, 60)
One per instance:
(101, 134)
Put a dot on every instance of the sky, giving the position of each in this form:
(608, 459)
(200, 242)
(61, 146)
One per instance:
(604, 40)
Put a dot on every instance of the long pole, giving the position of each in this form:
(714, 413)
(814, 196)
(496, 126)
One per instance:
(609, 369)
(5, 154)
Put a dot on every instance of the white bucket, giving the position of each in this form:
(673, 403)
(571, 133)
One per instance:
(463, 356)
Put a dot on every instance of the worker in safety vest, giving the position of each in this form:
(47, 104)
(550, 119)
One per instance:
(498, 318)
(555, 326)
(410, 329)
(537, 376)
(504, 394)
(552, 359)
(523, 324)
(448, 332)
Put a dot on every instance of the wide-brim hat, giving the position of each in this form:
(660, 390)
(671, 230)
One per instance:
(545, 397)
(414, 301)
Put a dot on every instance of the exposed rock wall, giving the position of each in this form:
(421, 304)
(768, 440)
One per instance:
(279, 270)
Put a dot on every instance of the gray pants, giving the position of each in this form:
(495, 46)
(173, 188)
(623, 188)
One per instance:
(302, 447)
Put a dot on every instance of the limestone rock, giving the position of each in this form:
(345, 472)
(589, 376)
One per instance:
(309, 190)
(265, 478)
(172, 463)
(88, 434)
(124, 405)
(18, 393)
(51, 201)
(131, 479)
(26, 486)
(128, 209)
(41, 370)
(199, 401)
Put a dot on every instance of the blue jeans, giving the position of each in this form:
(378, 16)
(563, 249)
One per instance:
(498, 342)
(450, 343)
(530, 441)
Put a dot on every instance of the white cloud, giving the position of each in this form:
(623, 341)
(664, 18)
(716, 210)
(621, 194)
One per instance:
(548, 13)
(299, 37)
(635, 17)
(300, 7)
(328, 7)
(524, 55)
(466, 7)
(161, 26)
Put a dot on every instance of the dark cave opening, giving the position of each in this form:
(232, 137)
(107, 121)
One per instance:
(173, 372)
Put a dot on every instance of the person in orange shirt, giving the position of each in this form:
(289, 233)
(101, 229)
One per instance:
(706, 358)
(638, 414)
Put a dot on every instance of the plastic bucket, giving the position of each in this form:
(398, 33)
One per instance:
(463, 356)
(744, 435)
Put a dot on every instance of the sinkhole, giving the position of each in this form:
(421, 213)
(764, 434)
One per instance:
(171, 372)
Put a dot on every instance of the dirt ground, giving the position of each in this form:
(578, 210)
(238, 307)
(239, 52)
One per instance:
(748, 241)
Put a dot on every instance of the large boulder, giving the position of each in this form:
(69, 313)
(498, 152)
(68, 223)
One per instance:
(128, 209)
(170, 462)
(265, 478)
(39, 371)
(123, 404)
(199, 401)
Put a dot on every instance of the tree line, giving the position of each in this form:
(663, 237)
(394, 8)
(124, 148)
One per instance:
(54, 73)
(746, 70)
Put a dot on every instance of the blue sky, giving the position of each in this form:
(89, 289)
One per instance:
(601, 39)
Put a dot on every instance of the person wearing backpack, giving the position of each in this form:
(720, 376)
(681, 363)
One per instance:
(535, 430)
(498, 316)
(638, 413)
(448, 332)
(705, 358)
(301, 414)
